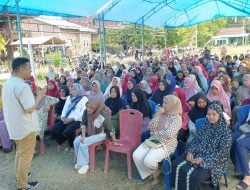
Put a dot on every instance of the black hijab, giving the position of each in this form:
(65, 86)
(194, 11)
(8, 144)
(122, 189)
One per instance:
(158, 95)
(197, 112)
(142, 104)
(128, 92)
(115, 104)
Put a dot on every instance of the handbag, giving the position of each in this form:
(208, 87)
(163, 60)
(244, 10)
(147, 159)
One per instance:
(153, 143)
(245, 128)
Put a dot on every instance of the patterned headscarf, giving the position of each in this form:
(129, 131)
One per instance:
(212, 144)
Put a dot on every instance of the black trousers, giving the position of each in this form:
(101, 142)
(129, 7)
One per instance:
(62, 132)
(200, 179)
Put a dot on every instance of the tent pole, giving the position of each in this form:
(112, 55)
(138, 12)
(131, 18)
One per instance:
(100, 39)
(142, 40)
(104, 40)
(19, 29)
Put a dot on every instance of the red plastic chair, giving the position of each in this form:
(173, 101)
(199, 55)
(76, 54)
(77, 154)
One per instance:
(130, 137)
(92, 151)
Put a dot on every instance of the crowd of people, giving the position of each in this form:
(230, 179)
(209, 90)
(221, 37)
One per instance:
(172, 94)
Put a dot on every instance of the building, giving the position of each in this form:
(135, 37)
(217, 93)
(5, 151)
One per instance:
(74, 35)
(231, 36)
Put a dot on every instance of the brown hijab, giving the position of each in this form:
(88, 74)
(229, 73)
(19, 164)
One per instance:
(98, 108)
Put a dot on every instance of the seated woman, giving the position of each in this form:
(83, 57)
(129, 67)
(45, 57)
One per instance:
(216, 92)
(96, 90)
(140, 103)
(71, 116)
(62, 81)
(191, 86)
(96, 126)
(164, 128)
(115, 82)
(162, 91)
(128, 94)
(52, 91)
(115, 103)
(5, 141)
(64, 92)
(86, 85)
(239, 156)
(146, 88)
(183, 132)
(207, 157)
(198, 111)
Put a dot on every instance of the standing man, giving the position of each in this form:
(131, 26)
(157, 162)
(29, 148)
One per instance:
(19, 107)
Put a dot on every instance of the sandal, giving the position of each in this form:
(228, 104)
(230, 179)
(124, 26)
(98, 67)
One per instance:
(242, 186)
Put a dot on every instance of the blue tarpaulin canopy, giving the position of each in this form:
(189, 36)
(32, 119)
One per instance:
(65, 8)
(176, 13)
(155, 13)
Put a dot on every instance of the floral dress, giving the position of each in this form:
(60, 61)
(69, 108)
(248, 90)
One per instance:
(42, 113)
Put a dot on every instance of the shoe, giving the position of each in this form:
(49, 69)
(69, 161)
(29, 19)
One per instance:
(29, 175)
(7, 150)
(242, 186)
(67, 149)
(77, 167)
(31, 185)
(83, 170)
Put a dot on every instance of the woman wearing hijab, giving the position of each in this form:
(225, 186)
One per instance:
(71, 116)
(125, 83)
(103, 81)
(128, 94)
(244, 90)
(153, 83)
(149, 73)
(191, 86)
(86, 86)
(96, 90)
(62, 81)
(225, 82)
(171, 81)
(164, 128)
(179, 79)
(217, 93)
(52, 91)
(115, 82)
(140, 103)
(134, 76)
(207, 157)
(183, 133)
(115, 103)
(198, 111)
(146, 88)
(162, 91)
(64, 93)
(96, 126)
(203, 79)
(107, 79)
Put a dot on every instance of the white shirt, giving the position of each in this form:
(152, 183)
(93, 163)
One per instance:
(17, 97)
(78, 111)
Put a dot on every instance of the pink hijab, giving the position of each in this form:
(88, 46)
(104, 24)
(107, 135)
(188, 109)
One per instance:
(192, 86)
(222, 96)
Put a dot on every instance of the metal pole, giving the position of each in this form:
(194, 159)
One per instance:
(142, 39)
(104, 40)
(100, 39)
(196, 36)
(19, 29)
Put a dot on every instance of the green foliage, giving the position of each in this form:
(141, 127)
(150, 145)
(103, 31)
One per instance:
(95, 46)
(131, 35)
(55, 59)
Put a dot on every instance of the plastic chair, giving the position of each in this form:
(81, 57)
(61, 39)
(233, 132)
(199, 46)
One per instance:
(242, 114)
(130, 137)
(152, 105)
(92, 152)
(198, 124)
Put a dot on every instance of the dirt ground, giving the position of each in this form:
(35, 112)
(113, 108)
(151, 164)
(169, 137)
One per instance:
(54, 171)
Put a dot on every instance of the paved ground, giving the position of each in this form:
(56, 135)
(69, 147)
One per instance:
(55, 172)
